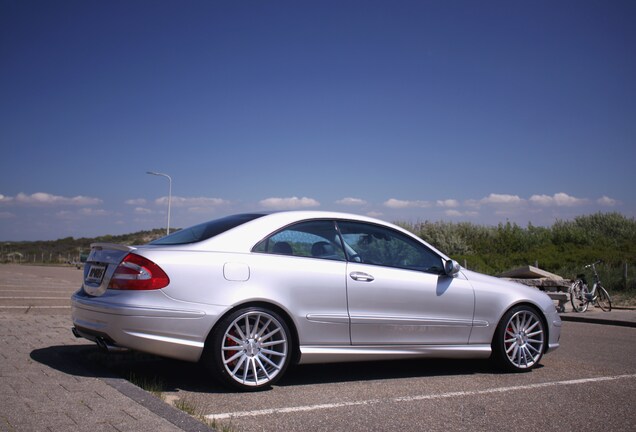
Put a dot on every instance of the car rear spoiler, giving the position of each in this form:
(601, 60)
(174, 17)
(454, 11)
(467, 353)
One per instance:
(112, 246)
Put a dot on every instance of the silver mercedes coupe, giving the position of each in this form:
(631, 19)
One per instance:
(249, 294)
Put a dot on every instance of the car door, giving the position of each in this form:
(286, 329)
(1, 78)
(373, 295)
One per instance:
(398, 293)
(305, 265)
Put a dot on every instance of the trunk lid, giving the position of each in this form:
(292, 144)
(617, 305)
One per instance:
(101, 265)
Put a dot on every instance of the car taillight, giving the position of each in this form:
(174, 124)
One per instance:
(138, 273)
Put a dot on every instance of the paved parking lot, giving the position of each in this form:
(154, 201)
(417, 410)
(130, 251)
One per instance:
(37, 289)
(62, 383)
(589, 384)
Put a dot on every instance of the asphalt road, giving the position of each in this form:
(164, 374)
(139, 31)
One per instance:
(589, 384)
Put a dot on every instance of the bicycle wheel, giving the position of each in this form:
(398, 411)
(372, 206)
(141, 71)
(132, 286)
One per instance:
(577, 296)
(603, 299)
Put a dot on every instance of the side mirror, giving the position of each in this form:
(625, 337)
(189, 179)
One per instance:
(451, 267)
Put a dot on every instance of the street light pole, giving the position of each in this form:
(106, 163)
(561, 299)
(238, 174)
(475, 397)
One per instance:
(169, 194)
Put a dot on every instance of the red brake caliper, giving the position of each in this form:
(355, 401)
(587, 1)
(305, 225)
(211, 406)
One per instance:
(229, 342)
(508, 330)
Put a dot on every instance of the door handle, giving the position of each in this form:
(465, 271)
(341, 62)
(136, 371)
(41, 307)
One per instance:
(361, 276)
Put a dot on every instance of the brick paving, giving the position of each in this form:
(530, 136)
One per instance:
(46, 381)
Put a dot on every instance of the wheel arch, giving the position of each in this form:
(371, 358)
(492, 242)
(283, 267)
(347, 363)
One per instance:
(539, 313)
(265, 305)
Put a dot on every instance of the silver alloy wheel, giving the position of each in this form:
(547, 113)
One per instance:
(523, 339)
(254, 348)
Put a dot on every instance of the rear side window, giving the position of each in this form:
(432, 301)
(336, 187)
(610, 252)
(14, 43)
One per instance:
(205, 230)
(311, 239)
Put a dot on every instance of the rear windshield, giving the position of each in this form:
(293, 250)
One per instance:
(205, 230)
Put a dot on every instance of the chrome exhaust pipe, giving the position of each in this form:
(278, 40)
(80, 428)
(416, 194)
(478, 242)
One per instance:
(102, 343)
(110, 348)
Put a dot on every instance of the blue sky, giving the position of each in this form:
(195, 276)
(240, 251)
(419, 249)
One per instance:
(479, 111)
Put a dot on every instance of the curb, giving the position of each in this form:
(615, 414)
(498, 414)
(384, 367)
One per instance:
(175, 416)
(602, 321)
(152, 403)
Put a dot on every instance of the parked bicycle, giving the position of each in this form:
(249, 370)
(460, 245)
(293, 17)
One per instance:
(581, 296)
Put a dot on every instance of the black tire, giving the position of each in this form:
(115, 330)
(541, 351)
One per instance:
(577, 296)
(249, 350)
(603, 299)
(520, 340)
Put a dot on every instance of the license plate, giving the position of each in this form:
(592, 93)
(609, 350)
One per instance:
(96, 273)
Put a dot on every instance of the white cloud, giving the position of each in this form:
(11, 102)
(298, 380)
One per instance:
(566, 200)
(607, 201)
(457, 213)
(559, 199)
(42, 198)
(136, 202)
(289, 203)
(400, 204)
(94, 212)
(472, 203)
(142, 211)
(542, 200)
(352, 202)
(191, 202)
(504, 205)
(449, 203)
(494, 198)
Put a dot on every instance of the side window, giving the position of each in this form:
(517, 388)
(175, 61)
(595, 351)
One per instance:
(314, 239)
(372, 244)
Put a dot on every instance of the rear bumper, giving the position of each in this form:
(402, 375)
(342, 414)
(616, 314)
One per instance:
(169, 332)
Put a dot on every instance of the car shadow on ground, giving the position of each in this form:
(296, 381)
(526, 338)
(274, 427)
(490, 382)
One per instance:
(143, 370)
(70, 359)
(161, 374)
(382, 370)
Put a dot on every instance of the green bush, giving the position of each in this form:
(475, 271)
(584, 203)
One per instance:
(564, 248)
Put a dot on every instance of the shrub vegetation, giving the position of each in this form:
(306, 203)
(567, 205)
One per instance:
(564, 248)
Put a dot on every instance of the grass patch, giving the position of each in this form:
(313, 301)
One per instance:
(150, 384)
(624, 298)
(187, 407)
(192, 408)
